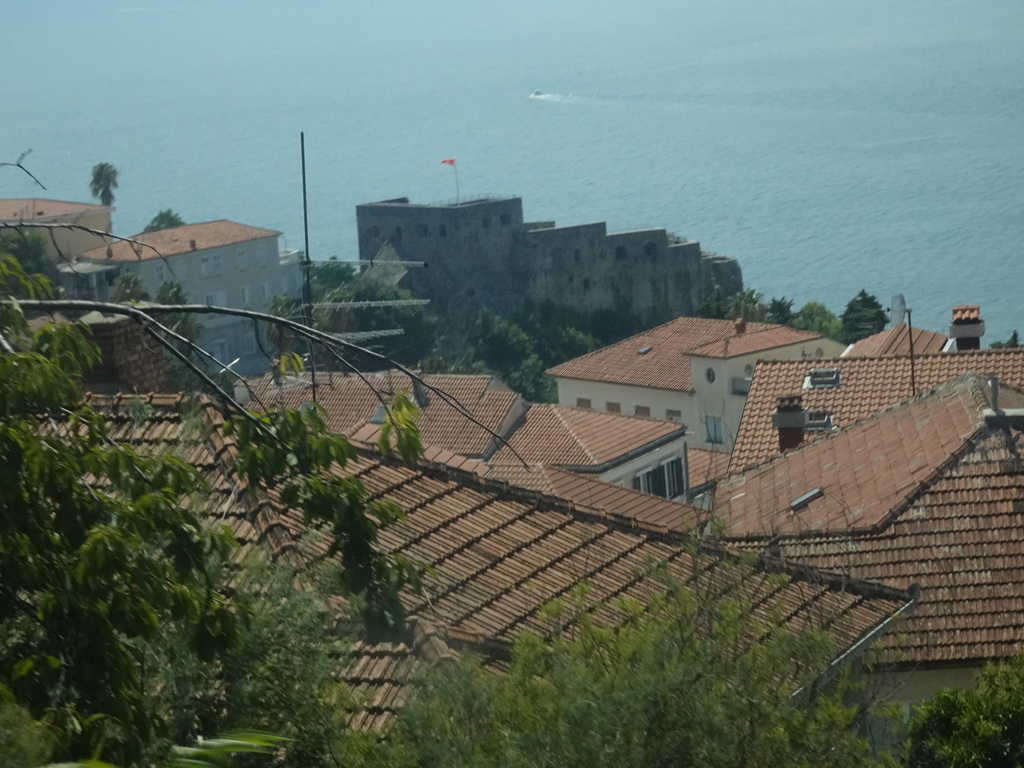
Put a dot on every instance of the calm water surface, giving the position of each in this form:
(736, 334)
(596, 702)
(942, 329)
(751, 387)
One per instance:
(827, 145)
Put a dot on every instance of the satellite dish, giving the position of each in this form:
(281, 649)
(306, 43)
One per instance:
(898, 311)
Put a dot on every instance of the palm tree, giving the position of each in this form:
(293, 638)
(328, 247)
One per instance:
(104, 180)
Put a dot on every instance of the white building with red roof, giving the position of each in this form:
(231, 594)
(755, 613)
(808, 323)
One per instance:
(692, 370)
(221, 263)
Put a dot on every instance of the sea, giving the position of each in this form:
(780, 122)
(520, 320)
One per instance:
(828, 145)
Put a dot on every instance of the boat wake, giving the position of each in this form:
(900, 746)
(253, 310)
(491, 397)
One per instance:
(560, 98)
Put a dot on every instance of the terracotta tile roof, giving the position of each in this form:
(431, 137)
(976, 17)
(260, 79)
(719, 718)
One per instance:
(665, 364)
(960, 535)
(589, 492)
(866, 385)
(497, 556)
(351, 404)
(177, 240)
(864, 471)
(705, 466)
(896, 341)
(582, 438)
(26, 209)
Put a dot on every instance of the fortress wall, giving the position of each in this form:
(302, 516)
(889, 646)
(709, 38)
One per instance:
(482, 254)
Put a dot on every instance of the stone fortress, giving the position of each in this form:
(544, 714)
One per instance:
(480, 253)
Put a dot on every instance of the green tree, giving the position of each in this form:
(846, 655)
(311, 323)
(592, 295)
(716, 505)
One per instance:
(128, 287)
(748, 305)
(104, 182)
(24, 743)
(677, 683)
(105, 549)
(29, 248)
(863, 316)
(815, 316)
(328, 276)
(165, 219)
(714, 305)
(779, 311)
(510, 352)
(417, 324)
(981, 728)
(1011, 343)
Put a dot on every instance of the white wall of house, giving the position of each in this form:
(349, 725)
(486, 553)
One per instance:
(712, 411)
(624, 474)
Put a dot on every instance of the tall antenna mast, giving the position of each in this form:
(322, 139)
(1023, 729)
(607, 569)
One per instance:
(307, 291)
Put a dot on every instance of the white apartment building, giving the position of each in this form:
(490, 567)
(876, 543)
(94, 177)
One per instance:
(221, 263)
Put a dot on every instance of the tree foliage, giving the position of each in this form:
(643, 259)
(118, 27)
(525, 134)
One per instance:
(128, 287)
(1011, 343)
(980, 728)
(677, 683)
(29, 248)
(815, 316)
(863, 316)
(80, 513)
(104, 182)
(165, 219)
(418, 325)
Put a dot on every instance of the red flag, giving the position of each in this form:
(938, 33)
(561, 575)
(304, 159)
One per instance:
(448, 161)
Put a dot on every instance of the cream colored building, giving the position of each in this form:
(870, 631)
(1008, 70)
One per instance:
(695, 371)
(62, 243)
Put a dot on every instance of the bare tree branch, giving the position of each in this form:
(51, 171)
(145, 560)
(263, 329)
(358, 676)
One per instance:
(17, 164)
(333, 345)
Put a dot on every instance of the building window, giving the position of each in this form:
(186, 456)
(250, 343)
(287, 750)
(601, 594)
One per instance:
(397, 237)
(673, 415)
(642, 410)
(582, 402)
(715, 431)
(506, 220)
(423, 231)
(442, 230)
(210, 264)
(209, 299)
(486, 222)
(620, 253)
(159, 274)
(262, 252)
(650, 248)
(265, 291)
(709, 374)
(577, 255)
(613, 407)
(665, 481)
(179, 271)
(219, 349)
(242, 259)
(248, 344)
(818, 421)
(246, 295)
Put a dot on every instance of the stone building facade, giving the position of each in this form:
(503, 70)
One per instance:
(481, 253)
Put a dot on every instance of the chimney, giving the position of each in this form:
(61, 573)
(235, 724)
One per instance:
(741, 326)
(790, 418)
(967, 327)
(192, 244)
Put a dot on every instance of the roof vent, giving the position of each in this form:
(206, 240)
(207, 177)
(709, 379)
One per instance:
(822, 378)
(643, 350)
